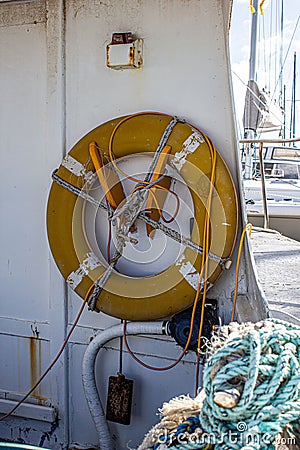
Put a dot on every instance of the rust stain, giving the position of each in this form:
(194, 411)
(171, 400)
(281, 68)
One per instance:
(35, 351)
(107, 57)
(119, 399)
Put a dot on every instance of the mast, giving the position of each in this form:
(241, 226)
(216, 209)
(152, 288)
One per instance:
(250, 121)
(253, 43)
(284, 111)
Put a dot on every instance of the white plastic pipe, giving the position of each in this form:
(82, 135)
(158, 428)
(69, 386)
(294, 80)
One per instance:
(88, 372)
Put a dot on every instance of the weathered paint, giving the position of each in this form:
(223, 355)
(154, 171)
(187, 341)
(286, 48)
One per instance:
(125, 56)
(89, 263)
(35, 363)
(55, 86)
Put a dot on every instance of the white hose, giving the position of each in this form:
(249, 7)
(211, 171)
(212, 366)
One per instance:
(88, 372)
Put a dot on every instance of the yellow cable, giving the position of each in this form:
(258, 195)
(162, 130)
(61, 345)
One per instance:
(110, 144)
(54, 361)
(247, 228)
(261, 9)
(252, 9)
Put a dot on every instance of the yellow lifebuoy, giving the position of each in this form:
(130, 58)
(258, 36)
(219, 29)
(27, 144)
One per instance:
(165, 283)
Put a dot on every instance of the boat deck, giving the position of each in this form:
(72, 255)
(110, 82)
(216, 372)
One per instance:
(277, 261)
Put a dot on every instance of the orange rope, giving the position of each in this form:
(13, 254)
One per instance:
(204, 267)
(136, 180)
(111, 139)
(52, 363)
(261, 9)
(204, 262)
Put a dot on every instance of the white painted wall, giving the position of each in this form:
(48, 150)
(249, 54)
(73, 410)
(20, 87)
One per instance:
(55, 87)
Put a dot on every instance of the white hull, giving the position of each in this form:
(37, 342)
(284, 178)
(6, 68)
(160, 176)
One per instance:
(288, 225)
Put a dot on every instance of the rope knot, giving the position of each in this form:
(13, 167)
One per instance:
(258, 369)
(251, 391)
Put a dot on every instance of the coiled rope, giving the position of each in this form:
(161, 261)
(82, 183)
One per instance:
(259, 362)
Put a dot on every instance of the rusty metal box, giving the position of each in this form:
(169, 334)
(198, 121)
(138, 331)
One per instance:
(125, 55)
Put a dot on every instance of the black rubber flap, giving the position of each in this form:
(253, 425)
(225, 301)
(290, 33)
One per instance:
(119, 399)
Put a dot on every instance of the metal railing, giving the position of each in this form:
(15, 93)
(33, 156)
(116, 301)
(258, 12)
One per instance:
(261, 143)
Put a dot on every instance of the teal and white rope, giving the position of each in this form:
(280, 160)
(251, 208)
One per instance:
(262, 361)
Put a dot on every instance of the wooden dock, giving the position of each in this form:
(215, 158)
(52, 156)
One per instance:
(277, 261)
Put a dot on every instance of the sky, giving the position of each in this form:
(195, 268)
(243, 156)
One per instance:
(268, 67)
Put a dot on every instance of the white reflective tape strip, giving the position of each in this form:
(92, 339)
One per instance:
(73, 166)
(180, 260)
(88, 264)
(76, 167)
(189, 146)
(191, 275)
